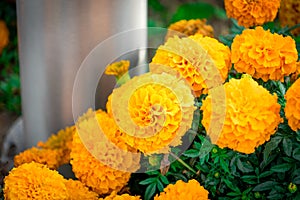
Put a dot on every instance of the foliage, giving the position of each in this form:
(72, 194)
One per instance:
(9, 64)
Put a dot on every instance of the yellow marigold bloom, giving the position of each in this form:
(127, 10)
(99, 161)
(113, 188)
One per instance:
(4, 35)
(190, 27)
(197, 76)
(154, 110)
(34, 181)
(115, 196)
(191, 190)
(264, 55)
(47, 157)
(87, 167)
(60, 142)
(252, 115)
(252, 12)
(119, 70)
(292, 107)
(289, 14)
(76, 190)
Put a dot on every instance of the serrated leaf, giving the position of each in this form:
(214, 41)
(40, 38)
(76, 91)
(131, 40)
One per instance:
(148, 181)
(287, 146)
(270, 146)
(159, 185)
(192, 153)
(150, 191)
(268, 185)
(281, 167)
(265, 174)
(244, 167)
(164, 179)
(296, 154)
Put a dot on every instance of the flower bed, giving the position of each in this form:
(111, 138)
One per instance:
(210, 120)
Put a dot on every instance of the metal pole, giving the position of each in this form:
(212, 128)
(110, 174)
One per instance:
(54, 38)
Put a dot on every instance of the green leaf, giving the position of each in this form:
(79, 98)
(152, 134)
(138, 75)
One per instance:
(296, 180)
(148, 181)
(270, 146)
(150, 191)
(281, 167)
(287, 146)
(164, 179)
(192, 153)
(296, 154)
(160, 186)
(230, 185)
(268, 185)
(197, 10)
(224, 165)
(265, 174)
(244, 166)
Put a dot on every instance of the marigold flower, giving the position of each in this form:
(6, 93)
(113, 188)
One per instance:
(76, 190)
(191, 190)
(60, 142)
(119, 70)
(92, 167)
(292, 107)
(115, 196)
(264, 55)
(190, 27)
(252, 12)
(249, 121)
(34, 181)
(289, 14)
(211, 56)
(4, 35)
(47, 157)
(154, 110)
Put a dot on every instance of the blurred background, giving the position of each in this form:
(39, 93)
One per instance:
(161, 13)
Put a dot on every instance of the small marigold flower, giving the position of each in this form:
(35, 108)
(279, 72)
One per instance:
(115, 196)
(76, 190)
(4, 35)
(119, 70)
(47, 157)
(153, 111)
(264, 55)
(249, 120)
(252, 12)
(292, 107)
(289, 14)
(181, 190)
(99, 176)
(216, 62)
(34, 181)
(60, 142)
(190, 27)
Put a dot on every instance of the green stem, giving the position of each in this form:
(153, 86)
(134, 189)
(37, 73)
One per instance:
(183, 163)
(290, 28)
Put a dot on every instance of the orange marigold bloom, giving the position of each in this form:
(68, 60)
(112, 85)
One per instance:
(264, 55)
(34, 181)
(289, 14)
(190, 27)
(292, 107)
(191, 190)
(87, 167)
(4, 35)
(60, 142)
(154, 110)
(76, 190)
(249, 121)
(212, 57)
(252, 12)
(115, 196)
(48, 157)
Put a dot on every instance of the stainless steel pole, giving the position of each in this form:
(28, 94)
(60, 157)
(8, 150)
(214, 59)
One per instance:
(54, 38)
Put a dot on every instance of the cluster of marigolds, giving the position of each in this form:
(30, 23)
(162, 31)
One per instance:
(159, 105)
